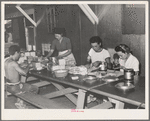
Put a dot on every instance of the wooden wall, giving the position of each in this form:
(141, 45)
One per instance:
(109, 27)
(42, 35)
(87, 30)
(67, 16)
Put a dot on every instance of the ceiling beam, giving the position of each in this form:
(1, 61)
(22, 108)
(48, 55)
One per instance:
(86, 13)
(89, 13)
(26, 15)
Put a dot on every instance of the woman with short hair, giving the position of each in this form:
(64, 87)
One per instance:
(126, 59)
(63, 45)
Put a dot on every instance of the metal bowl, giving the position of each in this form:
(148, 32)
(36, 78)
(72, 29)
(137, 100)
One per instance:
(61, 72)
(124, 86)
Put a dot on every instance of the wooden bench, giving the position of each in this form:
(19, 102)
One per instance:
(38, 100)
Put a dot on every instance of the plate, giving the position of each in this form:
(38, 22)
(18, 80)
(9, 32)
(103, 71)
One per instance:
(124, 86)
(110, 79)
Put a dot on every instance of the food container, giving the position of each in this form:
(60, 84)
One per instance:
(61, 73)
(129, 74)
(103, 66)
(125, 87)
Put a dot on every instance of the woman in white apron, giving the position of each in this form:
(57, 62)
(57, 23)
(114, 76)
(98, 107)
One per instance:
(63, 45)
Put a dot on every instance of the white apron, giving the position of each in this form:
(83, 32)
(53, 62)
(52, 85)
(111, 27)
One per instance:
(70, 60)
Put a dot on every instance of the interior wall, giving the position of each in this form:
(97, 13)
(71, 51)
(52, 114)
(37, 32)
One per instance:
(87, 31)
(109, 27)
(67, 16)
(42, 35)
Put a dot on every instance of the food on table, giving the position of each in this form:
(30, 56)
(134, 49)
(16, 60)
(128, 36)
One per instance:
(75, 77)
(78, 70)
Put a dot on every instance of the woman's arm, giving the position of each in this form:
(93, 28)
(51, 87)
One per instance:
(65, 54)
(50, 53)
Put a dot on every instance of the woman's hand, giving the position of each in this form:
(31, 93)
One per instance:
(96, 64)
(122, 67)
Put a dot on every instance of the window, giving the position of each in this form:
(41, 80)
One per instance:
(50, 18)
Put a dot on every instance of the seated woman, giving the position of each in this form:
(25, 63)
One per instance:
(63, 45)
(126, 59)
(97, 54)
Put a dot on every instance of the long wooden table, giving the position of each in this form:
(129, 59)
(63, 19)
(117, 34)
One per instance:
(80, 85)
(137, 97)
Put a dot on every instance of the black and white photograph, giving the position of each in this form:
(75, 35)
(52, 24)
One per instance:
(74, 60)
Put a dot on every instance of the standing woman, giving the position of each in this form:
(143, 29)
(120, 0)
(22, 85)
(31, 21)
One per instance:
(127, 60)
(63, 45)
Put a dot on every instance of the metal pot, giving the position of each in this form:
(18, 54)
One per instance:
(129, 74)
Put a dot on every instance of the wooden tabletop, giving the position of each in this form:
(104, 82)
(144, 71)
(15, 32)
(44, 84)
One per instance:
(79, 84)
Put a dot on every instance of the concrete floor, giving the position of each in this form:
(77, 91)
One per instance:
(11, 100)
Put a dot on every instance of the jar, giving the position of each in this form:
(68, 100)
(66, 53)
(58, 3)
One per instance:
(103, 66)
(129, 74)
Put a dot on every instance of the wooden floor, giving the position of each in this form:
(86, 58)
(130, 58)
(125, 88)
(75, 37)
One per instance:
(11, 100)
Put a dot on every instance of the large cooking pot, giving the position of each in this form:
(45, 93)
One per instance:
(129, 74)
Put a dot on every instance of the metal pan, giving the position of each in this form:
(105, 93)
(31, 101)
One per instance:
(124, 86)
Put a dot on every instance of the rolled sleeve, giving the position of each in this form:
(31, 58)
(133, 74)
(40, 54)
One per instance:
(106, 55)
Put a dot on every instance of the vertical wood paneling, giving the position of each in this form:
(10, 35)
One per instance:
(67, 16)
(109, 28)
(87, 31)
(42, 35)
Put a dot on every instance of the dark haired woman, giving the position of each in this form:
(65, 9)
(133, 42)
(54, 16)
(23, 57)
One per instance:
(97, 55)
(63, 45)
(127, 60)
